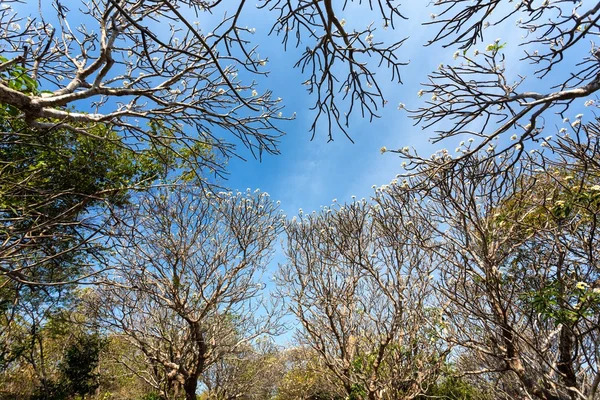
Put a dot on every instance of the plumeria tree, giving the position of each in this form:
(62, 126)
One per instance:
(185, 291)
(362, 294)
(518, 273)
(485, 96)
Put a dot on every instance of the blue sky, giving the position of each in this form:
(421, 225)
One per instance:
(309, 174)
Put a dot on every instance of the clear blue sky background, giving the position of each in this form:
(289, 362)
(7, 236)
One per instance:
(309, 174)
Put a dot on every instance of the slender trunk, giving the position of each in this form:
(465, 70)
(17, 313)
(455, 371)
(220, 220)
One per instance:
(565, 362)
(190, 386)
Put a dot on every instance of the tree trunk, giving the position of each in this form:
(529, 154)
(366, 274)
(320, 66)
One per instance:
(190, 386)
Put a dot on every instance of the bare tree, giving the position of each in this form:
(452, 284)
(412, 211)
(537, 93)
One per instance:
(185, 291)
(252, 374)
(361, 292)
(518, 270)
(184, 75)
(486, 96)
(151, 85)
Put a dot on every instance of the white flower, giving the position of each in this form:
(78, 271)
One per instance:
(579, 116)
(405, 149)
(562, 130)
(566, 120)
(343, 22)
(518, 146)
(456, 54)
(383, 149)
(513, 137)
(254, 93)
(576, 123)
(401, 106)
(420, 92)
(434, 97)
(589, 103)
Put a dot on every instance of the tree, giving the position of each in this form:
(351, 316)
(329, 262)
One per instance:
(184, 291)
(80, 363)
(361, 292)
(518, 270)
(306, 377)
(57, 193)
(130, 72)
(252, 373)
(485, 95)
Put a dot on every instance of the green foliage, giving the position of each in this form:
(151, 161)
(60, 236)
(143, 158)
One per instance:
(151, 396)
(564, 305)
(454, 388)
(48, 173)
(77, 371)
(79, 364)
(16, 78)
(57, 172)
(357, 392)
(51, 390)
